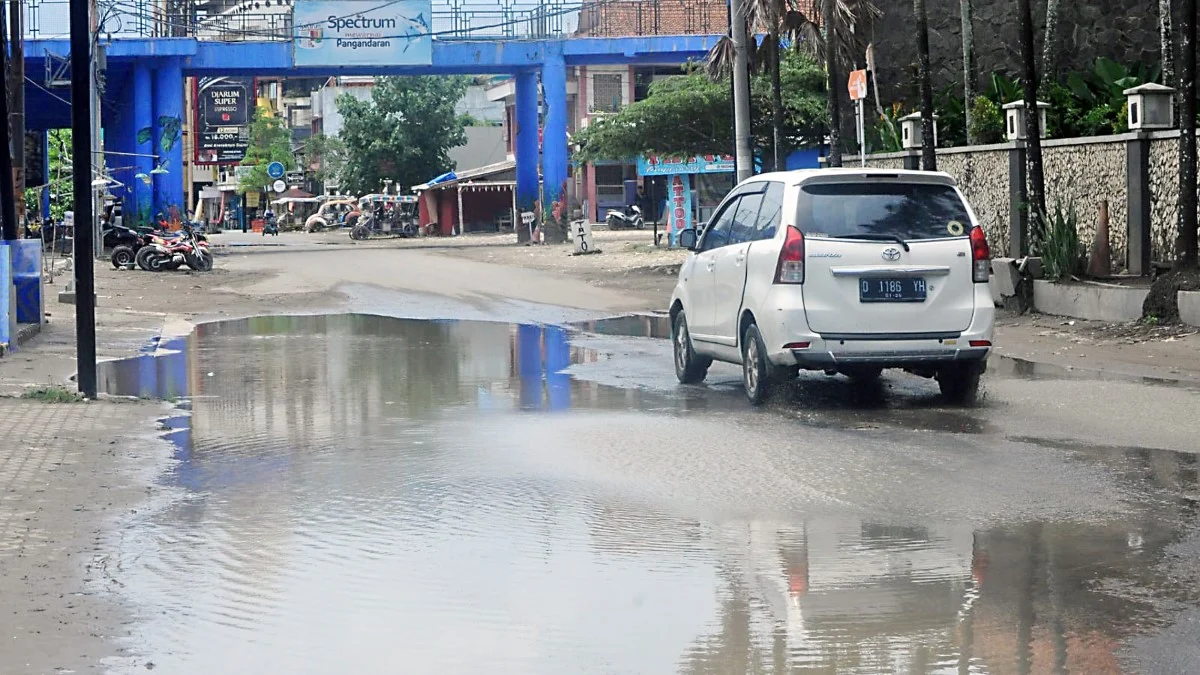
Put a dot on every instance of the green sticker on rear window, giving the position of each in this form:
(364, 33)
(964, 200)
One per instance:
(955, 228)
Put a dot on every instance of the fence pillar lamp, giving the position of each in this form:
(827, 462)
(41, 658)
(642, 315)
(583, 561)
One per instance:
(1150, 107)
(1015, 121)
(910, 131)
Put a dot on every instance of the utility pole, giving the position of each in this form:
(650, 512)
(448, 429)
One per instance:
(17, 111)
(8, 205)
(741, 92)
(81, 164)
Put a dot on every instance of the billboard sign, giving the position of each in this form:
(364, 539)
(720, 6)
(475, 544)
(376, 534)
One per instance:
(224, 110)
(653, 165)
(362, 33)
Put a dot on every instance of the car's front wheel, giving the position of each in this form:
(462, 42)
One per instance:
(960, 382)
(690, 367)
(757, 374)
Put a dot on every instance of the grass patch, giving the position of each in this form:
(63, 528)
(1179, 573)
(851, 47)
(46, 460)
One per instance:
(52, 394)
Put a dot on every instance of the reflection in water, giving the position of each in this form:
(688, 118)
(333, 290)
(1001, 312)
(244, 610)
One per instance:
(366, 494)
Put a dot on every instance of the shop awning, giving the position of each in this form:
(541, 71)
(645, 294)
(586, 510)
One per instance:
(470, 176)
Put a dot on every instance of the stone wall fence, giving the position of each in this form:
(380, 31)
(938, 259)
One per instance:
(1137, 173)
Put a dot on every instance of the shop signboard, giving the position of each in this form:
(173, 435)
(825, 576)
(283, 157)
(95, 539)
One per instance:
(222, 114)
(679, 206)
(362, 33)
(653, 165)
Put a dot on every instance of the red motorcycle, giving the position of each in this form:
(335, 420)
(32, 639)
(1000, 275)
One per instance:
(170, 253)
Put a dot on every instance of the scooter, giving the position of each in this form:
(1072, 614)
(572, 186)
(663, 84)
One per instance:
(270, 226)
(628, 218)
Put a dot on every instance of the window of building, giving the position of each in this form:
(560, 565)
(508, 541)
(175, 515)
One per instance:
(607, 92)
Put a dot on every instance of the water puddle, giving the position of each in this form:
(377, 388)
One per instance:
(367, 494)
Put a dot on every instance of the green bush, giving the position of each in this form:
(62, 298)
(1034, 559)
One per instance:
(1058, 242)
(987, 124)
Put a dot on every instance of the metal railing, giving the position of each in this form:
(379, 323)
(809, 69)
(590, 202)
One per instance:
(652, 17)
(450, 20)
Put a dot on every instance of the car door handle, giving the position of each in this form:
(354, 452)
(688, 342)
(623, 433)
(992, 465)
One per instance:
(741, 257)
(710, 264)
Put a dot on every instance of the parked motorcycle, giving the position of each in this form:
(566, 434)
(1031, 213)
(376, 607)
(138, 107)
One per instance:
(270, 226)
(623, 219)
(170, 253)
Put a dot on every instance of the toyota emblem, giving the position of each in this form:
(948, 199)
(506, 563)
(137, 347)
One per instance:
(891, 254)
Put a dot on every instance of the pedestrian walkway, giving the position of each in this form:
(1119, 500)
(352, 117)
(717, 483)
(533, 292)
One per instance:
(67, 471)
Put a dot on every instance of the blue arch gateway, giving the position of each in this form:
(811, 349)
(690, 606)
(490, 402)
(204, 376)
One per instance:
(142, 106)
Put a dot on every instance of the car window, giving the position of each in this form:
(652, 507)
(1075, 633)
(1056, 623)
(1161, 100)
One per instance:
(771, 211)
(745, 221)
(906, 210)
(717, 234)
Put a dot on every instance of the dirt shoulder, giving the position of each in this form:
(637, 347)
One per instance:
(632, 264)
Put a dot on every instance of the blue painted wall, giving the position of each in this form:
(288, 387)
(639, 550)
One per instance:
(807, 158)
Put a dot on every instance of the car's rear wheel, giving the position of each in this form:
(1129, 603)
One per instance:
(757, 374)
(690, 367)
(960, 382)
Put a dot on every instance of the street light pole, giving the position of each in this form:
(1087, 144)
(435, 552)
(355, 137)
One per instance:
(741, 92)
(81, 165)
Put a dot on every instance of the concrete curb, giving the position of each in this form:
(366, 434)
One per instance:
(1189, 307)
(1091, 301)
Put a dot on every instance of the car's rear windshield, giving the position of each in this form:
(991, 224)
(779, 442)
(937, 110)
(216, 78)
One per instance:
(871, 209)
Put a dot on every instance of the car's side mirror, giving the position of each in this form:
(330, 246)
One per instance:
(688, 239)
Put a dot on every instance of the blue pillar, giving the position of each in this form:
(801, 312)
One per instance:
(558, 359)
(526, 145)
(142, 105)
(168, 139)
(554, 144)
(529, 366)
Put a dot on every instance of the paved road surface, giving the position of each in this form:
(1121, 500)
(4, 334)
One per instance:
(363, 494)
(374, 495)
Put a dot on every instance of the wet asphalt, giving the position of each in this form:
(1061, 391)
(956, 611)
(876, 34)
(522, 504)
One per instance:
(362, 494)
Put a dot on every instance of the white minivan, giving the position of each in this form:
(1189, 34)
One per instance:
(843, 270)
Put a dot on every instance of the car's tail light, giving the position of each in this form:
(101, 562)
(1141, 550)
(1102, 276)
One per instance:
(980, 343)
(790, 269)
(981, 256)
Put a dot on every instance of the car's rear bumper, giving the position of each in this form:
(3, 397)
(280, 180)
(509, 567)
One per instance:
(883, 356)
(792, 343)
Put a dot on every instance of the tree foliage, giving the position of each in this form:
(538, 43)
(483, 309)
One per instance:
(326, 156)
(690, 115)
(404, 133)
(270, 141)
(62, 196)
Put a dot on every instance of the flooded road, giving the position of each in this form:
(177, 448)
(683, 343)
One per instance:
(359, 494)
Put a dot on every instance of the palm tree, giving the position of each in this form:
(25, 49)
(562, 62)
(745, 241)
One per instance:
(968, 42)
(928, 152)
(1187, 244)
(1050, 45)
(782, 21)
(1033, 144)
(1166, 43)
(832, 32)
(769, 16)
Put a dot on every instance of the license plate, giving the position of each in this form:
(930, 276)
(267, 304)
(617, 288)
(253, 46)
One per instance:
(891, 290)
